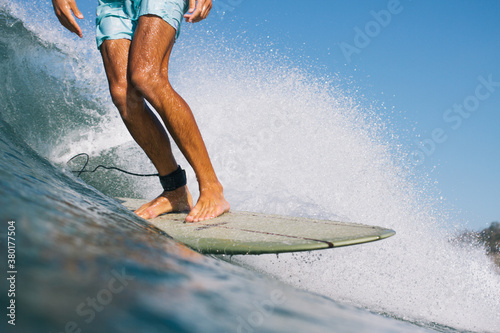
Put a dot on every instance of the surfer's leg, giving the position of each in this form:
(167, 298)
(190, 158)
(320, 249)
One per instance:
(143, 125)
(148, 71)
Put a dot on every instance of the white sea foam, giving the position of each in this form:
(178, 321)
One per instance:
(284, 141)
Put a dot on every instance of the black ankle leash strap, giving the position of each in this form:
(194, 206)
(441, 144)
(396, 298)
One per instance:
(173, 180)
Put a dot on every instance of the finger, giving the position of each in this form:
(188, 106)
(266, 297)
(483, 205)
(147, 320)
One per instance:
(78, 31)
(73, 26)
(68, 21)
(206, 10)
(201, 11)
(192, 5)
(192, 18)
(79, 15)
(205, 7)
(76, 11)
(196, 16)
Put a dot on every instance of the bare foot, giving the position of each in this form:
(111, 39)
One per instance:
(210, 204)
(172, 201)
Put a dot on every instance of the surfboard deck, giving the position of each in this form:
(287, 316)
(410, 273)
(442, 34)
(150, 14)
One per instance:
(258, 233)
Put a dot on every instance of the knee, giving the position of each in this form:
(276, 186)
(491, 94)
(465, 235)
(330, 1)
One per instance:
(147, 80)
(124, 102)
(119, 96)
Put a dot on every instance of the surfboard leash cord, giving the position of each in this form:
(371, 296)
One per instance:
(87, 158)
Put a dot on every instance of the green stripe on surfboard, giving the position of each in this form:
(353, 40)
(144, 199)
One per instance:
(257, 233)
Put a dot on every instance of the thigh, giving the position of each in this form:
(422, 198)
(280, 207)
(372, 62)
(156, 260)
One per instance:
(151, 46)
(115, 53)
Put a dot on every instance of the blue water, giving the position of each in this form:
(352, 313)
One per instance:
(85, 263)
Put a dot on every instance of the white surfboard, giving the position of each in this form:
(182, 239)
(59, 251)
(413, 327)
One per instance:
(257, 233)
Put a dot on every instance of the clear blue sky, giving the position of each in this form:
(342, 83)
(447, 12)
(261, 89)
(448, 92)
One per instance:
(422, 58)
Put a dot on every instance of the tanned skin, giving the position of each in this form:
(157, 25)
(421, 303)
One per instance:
(137, 71)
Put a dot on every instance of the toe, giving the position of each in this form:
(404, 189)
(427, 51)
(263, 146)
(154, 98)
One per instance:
(192, 215)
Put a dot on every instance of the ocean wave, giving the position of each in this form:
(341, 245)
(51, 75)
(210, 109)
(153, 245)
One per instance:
(282, 140)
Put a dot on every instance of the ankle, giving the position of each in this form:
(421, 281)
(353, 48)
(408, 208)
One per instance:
(211, 187)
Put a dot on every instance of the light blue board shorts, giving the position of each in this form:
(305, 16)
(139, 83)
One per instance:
(117, 19)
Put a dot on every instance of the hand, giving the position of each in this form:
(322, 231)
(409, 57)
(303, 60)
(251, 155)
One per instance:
(198, 10)
(63, 9)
